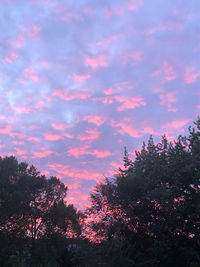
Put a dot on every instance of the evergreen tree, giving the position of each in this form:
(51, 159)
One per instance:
(149, 215)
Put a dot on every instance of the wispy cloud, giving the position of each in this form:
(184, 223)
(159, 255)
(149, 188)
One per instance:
(81, 80)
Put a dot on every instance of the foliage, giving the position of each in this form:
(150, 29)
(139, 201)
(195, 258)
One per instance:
(36, 224)
(149, 213)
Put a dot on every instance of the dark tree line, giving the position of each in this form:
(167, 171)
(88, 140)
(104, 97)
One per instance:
(147, 215)
(36, 225)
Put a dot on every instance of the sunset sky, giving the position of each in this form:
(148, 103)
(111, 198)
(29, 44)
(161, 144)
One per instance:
(81, 79)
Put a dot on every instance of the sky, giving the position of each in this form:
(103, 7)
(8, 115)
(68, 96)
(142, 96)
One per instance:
(79, 80)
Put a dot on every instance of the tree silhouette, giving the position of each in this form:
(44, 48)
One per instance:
(36, 224)
(149, 214)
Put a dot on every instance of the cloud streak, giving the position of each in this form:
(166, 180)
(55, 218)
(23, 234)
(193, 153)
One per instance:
(79, 81)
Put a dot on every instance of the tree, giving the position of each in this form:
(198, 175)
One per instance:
(149, 214)
(36, 224)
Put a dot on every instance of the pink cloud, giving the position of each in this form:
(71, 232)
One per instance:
(75, 185)
(59, 126)
(43, 154)
(150, 130)
(79, 199)
(108, 91)
(98, 120)
(13, 55)
(99, 61)
(6, 129)
(18, 135)
(134, 5)
(53, 137)
(117, 88)
(168, 99)
(101, 154)
(33, 139)
(105, 43)
(20, 40)
(78, 151)
(191, 75)
(66, 94)
(116, 165)
(45, 64)
(25, 110)
(125, 128)
(20, 152)
(31, 74)
(129, 102)
(68, 135)
(176, 124)
(45, 172)
(91, 134)
(35, 30)
(80, 78)
(8, 60)
(64, 170)
(120, 10)
(167, 70)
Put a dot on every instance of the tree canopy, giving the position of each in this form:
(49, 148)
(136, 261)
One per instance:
(36, 224)
(149, 213)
